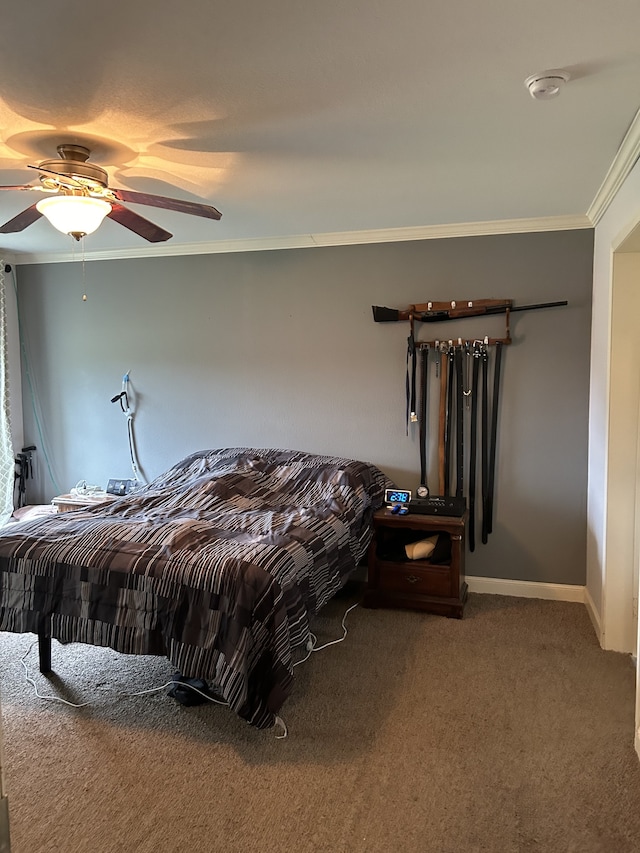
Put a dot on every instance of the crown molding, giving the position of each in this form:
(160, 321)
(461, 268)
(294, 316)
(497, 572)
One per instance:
(624, 161)
(308, 241)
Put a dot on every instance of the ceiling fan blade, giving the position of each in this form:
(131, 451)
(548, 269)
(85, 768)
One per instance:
(138, 224)
(176, 204)
(23, 187)
(21, 221)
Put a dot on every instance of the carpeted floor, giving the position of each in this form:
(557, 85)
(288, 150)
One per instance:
(509, 731)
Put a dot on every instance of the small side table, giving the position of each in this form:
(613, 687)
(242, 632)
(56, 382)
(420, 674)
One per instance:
(68, 502)
(416, 584)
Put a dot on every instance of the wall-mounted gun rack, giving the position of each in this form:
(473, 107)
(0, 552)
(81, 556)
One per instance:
(434, 312)
(459, 392)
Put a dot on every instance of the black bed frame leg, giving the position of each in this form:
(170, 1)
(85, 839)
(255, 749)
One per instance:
(44, 652)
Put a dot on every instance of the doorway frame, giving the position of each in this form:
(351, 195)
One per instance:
(621, 585)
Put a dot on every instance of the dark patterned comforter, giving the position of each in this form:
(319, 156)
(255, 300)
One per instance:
(217, 564)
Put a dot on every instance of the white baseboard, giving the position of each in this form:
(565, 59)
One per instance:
(594, 616)
(526, 589)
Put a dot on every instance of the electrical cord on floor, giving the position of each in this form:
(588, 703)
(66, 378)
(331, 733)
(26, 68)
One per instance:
(204, 695)
(285, 730)
(125, 695)
(311, 642)
(311, 648)
(23, 661)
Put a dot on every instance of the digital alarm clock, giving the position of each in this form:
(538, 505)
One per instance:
(397, 496)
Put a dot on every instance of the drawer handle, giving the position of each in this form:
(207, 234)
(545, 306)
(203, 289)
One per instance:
(412, 579)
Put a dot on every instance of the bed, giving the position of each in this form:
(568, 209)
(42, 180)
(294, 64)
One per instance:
(219, 564)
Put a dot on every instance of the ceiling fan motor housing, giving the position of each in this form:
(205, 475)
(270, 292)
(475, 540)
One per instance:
(73, 164)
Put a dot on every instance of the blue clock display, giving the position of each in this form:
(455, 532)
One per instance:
(397, 496)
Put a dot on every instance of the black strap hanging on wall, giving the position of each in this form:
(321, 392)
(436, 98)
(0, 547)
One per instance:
(459, 423)
(410, 384)
(448, 422)
(494, 435)
(422, 418)
(484, 441)
(414, 359)
(472, 448)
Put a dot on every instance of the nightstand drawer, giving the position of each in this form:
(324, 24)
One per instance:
(414, 579)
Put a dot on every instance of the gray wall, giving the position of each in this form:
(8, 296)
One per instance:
(279, 349)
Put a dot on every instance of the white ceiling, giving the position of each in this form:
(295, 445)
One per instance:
(305, 122)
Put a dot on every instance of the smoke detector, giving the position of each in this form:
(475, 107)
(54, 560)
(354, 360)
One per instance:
(546, 84)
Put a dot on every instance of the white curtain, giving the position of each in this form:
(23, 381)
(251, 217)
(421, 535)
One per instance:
(7, 462)
(7, 478)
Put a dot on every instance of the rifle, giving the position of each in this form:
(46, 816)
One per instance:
(436, 312)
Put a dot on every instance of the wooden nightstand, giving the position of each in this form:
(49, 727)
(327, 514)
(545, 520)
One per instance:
(395, 581)
(67, 502)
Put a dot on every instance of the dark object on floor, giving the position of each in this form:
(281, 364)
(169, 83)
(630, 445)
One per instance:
(186, 690)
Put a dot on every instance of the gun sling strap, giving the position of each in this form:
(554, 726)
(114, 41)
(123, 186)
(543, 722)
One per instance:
(451, 432)
(448, 421)
(411, 416)
(494, 435)
(442, 415)
(459, 423)
(484, 446)
(473, 432)
(424, 385)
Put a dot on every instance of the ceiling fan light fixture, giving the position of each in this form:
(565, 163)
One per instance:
(74, 214)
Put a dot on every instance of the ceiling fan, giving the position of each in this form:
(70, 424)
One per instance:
(81, 197)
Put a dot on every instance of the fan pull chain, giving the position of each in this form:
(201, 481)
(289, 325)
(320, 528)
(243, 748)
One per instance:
(73, 261)
(84, 277)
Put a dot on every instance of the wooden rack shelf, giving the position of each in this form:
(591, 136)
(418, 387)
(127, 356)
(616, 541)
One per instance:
(443, 346)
